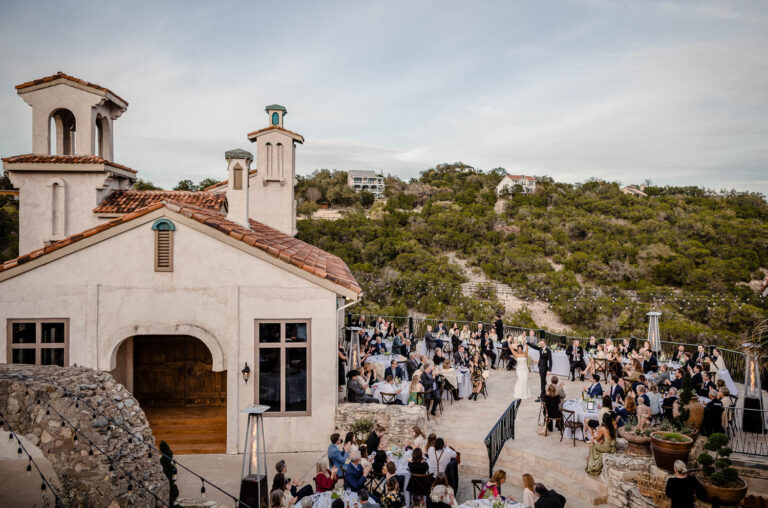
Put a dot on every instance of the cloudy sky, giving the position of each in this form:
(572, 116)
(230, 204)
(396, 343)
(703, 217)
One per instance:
(675, 92)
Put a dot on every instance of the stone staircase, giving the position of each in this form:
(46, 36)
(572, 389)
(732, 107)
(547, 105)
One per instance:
(570, 480)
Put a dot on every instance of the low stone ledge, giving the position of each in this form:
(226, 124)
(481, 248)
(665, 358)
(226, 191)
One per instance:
(397, 420)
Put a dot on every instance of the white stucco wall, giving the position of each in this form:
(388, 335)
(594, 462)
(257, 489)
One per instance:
(110, 291)
(272, 202)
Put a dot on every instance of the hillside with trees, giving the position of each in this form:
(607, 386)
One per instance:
(599, 257)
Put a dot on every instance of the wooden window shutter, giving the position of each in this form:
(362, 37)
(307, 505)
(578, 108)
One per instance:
(163, 251)
(238, 185)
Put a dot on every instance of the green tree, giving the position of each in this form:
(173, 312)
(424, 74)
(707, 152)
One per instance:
(185, 185)
(145, 185)
(367, 199)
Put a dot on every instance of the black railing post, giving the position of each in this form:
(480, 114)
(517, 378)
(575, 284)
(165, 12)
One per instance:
(410, 324)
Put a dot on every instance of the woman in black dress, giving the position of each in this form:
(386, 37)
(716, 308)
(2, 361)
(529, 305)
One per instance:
(683, 489)
(342, 362)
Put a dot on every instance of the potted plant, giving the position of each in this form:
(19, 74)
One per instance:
(691, 413)
(720, 480)
(638, 440)
(361, 428)
(667, 447)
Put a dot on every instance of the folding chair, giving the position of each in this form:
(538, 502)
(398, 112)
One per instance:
(376, 484)
(601, 364)
(547, 419)
(569, 422)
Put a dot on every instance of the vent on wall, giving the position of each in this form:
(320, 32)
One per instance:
(163, 229)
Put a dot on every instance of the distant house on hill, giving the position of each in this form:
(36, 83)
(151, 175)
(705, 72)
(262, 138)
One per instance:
(528, 183)
(635, 190)
(366, 181)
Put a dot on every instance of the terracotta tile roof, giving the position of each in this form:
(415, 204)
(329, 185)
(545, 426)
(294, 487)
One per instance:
(61, 75)
(279, 245)
(131, 200)
(298, 137)
(518, 177)
(224, 183)
(64, 159)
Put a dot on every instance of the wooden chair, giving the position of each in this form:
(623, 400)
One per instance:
(484, 389)
(388, 398)
(419, 486)
(547, 419)
(444, 387)
(569, 422)
(477, 487)
(601, 365)
(376, 484)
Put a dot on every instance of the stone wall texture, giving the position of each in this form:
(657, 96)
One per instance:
(104, 412)
(397, 420)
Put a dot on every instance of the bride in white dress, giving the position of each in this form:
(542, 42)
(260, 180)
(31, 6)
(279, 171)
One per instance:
(522, 391)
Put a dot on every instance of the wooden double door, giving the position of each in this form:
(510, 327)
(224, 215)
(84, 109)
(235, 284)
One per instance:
(174, 371)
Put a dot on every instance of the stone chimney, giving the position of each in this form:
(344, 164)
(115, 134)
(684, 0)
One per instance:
(239, 166)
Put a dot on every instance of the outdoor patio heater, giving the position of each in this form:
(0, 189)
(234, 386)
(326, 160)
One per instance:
(753, 420)
(254, 490)
(653, 331)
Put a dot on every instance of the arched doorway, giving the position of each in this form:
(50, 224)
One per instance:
(184, 400)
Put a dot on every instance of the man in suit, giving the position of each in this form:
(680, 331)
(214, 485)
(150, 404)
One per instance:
(617, 392)
(668, 402)
(545, 364)
(678, 381)
(354, 479)
(338, 454)
(374, 438)
(394, 370)
(651, 363)
(595, 389)
(625, 348)
(380, 346)
(366, 500)
(356, 391)
(487, 347)
(548, 498)
(575, 354)
(707, 385)
(412, 365)
(701, 355)
(461, 358)
(430, 342)
(678, 356)
(697, 379)
(428, 383)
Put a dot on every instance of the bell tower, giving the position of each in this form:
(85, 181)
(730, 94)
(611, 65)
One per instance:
(273, 200)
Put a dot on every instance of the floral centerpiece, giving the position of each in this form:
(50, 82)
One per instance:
(337, 493)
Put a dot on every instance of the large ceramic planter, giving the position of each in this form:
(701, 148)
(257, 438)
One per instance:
(666, 452)
(726, 495)
(696, 412)
(637, 444)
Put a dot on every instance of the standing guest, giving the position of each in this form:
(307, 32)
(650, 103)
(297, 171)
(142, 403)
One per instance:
(416, 466)
(595, 389)
(430, 342)
(486, 349)
(529, 496)
(439, 456)
(545, 363)
(354, 478)
(394, 370)
(325, 477)
(603, 442)
(374, 439)
(430, 388)
(547, 498)
(477, 369)
(575, 354)
(682, 489)
(552, 405)
(498, 325)
(338, 453)
(342, 362)
(494, 485)
(392, 498)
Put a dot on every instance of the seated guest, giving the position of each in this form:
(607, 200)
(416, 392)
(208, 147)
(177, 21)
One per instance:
(338, 454)
(289, 491)
(419, 439)
(439, 456)
(642, 393)
(374, 439)
(592, 344)
(397, 343)
(706, 384)
(441, 493)
(493, 485)
(595, 389)
(547, 498)
(617, 392)
(295, 485)
(325, 477)
(390, 471)
(460, 357)
(700, 355)
(393, 497)
(560, 386)
(439, 357)
(389, 387)
(369, 374)
(689, 362)
(626, 348)
(412, 365)
(599, 355)
(603, 442)
(354, 477)
(277, 499)
(696, 378)
(662, 378)
(365, 500)
(415, 388)
(713, 414)
(575, 354)
(655, 398)
(430, 387)
(678, 381)
(678, 356)
(551, 402)
(356, 390)
(669, 402)
(394, 370)
(651, 363)
(640, 381)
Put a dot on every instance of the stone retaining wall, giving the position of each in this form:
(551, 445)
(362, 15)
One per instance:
(104, 412)
(398, 420)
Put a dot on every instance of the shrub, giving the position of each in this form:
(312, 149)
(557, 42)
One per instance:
(722, 474)
(169, 470)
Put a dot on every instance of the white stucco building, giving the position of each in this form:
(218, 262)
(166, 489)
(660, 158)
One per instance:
(528, 183)
(366, 181)
(172, 292)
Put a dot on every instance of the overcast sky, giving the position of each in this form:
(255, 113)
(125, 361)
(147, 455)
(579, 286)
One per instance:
(676, 92)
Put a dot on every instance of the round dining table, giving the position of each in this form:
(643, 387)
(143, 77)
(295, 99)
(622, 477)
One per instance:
(580, 413)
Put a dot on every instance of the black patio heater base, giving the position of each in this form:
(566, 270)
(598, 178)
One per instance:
(249, 491)
(753, 421)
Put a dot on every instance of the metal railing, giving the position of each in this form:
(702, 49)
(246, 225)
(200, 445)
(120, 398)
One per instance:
(503, 431)
(734, 360)
(748, 430)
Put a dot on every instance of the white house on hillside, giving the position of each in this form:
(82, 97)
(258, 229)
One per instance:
(528, 183)
(178, 294)
(366, 181)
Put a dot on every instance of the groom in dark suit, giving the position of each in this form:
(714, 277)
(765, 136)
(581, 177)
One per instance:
(545, 364)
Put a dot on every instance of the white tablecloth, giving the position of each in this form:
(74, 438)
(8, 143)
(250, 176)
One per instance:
(726, 376)
(323, 500)
(580, 413)
(464, 381)
(487, 503)
(381, 362)
(403, 387)
(560, 364)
